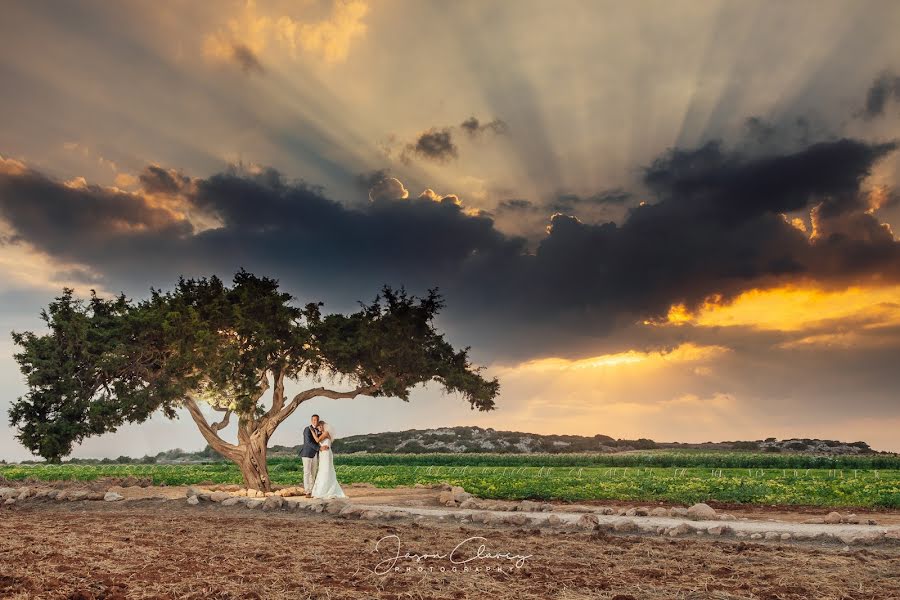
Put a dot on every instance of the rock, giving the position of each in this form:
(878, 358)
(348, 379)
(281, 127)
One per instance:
(459, 494)
(861, 537)
(553, 520)
(677, 511)
(621, 512)
(785, 536)
(516, 519)
(813, 521)
(231, 501)
(241, 492)
(272, 502)
(481, 517)
(756, 536)
(55, 494)
(471, 503)
(418, 485)
(680, 529)
(642, 511)
(24, 493)
(587, 521)
(659, 511)
(254, 502)
(625, 526)
(80, 495)
(7, 493)
(445, 497)
(219, 496)
(370, 514)
(726, 517)
(349, 511)
(701, 511)
(192, 491)
(95, 496)
(771, 535)
(833, 518)
(193, 501)
(605, 510)
(528, 506)
(546, 507)
(268, 494)
(853, 520)
(399, 514)
(578, 508)
(9, 501)
(630, 512)
(741, 534)
(41, 494)
(718, 529)
(333, 507)
(451, 504)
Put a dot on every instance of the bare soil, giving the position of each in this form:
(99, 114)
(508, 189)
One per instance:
(151, 548)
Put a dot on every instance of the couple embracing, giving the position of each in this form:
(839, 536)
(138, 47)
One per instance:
(319, 478)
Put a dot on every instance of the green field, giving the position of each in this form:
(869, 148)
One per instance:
(692, 477)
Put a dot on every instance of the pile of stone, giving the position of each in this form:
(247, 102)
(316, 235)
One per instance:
(16, 495)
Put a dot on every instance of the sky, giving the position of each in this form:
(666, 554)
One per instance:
(670, 219)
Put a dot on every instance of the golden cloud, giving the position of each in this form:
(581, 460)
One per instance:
(793, 308)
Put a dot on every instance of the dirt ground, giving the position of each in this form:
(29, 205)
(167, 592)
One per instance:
(156, 549)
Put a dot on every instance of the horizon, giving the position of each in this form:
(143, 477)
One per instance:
(691, 239)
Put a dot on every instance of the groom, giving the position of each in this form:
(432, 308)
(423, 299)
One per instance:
(310, 456)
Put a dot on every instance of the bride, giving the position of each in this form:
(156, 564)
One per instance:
(326, 484)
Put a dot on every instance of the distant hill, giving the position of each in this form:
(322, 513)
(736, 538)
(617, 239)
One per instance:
(475, 439)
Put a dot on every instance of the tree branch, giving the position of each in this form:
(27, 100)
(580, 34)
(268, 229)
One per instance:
(319, 391)
(218, 444)
(223, 423)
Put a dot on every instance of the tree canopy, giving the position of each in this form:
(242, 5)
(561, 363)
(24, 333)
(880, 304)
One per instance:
(106, 362)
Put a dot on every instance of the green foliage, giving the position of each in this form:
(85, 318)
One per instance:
(822, 487)
(109, 362)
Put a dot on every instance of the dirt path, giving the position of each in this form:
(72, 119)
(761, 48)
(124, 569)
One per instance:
(150, 549)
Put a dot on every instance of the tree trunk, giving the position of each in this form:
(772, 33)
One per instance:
(253, 466)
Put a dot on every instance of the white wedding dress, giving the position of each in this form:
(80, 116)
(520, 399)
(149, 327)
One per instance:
(326, 485)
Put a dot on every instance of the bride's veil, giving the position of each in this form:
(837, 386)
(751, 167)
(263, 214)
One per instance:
(330, 429)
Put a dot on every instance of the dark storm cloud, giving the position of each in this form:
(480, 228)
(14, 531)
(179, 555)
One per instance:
(157, 180)
(716, 227)
(78, 222)
(246, 59)
(474, 127)
(434, 144)
(885, 88)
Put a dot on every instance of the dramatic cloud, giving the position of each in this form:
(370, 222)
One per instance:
(719, 227)
(474, 127)
(244, 36)
(884, 89)
(434, 144)
(157, 180)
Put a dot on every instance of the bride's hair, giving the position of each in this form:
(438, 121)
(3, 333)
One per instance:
(328, 429)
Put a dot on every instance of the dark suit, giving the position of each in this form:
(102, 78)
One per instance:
(310, 445)
(310, 457)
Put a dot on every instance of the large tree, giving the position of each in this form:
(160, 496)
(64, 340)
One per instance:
(106, 362)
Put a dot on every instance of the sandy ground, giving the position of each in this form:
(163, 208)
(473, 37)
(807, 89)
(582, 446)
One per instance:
(155, 549)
